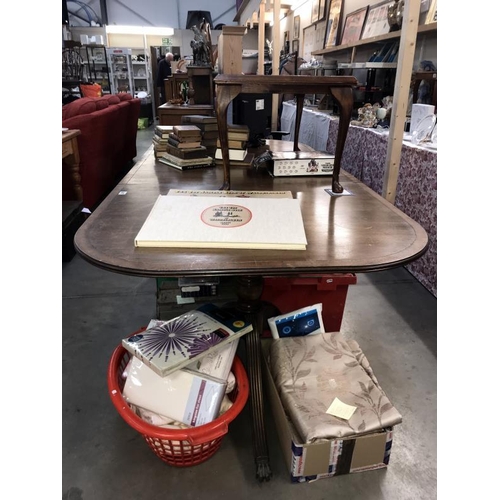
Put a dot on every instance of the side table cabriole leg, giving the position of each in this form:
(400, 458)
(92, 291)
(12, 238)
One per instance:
(225, 94)
(249, 290)
(299, 98)
(344, 98)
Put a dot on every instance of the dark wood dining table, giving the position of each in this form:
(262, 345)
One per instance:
(356, 232)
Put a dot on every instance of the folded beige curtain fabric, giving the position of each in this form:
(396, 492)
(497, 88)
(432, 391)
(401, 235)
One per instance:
(311, 371)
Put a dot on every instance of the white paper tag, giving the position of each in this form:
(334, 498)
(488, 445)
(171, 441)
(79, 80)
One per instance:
(184, 300)
(341, 410)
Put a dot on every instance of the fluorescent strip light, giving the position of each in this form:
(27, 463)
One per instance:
(139, 30)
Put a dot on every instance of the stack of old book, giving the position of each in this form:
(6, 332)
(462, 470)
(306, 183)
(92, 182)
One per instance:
(160, 139)
(208, 127)
(184, 150)
(237, 136)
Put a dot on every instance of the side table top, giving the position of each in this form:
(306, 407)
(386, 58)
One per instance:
(66, 136)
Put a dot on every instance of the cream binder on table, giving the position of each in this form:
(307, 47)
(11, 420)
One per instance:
(206, 222)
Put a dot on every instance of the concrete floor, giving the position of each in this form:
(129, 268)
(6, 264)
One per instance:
(390, 314)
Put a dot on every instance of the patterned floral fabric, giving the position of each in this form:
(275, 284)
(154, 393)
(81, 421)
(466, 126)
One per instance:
(416, 193)
(311, 371)
(364, 157)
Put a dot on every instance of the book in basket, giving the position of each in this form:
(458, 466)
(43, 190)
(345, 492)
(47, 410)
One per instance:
(178, 342)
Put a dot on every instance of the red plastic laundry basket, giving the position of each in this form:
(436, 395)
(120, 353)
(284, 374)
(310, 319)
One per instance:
(177, 447)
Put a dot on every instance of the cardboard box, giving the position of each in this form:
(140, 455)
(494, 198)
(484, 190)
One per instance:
(308, 462)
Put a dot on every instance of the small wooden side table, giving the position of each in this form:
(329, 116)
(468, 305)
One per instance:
(71, 158)
(227, 87)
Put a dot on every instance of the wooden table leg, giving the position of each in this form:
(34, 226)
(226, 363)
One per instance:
(225, 94)
(72, 161)
(298, 117)
(249, 291)
(345, 100)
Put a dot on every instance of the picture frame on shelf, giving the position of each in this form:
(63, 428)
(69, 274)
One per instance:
(321, 9)
(296, 27)
(432, 13)
(295, 46)
(333, 19)
(314, 11)
(286, 42)
(353, 26)
(376, 22)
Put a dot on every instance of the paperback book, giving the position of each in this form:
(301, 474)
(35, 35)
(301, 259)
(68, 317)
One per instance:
(205, 222)
(178, 342)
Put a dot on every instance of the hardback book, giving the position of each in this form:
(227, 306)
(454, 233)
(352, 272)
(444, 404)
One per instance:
(186, 161)
(184, 145)
(210, 143)
(187, 138)
(234, 144)
(191, 397)
(193, 166)
(234, 194)
(234, 154)
(203, 222)
(159, 140)
(209, 127)
(210, 134)
(187, 153)
(187, 131)
(180, 341)
(162, 131)
(246, 162)
(203, 119)
(238, 132)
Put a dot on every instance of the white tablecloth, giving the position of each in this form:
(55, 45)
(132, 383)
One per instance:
(314, 126)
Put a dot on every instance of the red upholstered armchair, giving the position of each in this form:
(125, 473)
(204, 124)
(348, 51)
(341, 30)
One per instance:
(107, 143)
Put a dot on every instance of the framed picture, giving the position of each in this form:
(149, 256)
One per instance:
(321, 9)
(295, 46)
(315, 11)
(353, 26)
(376, 20)
(432, 13)
(286, 42)
(296, 27)
(333, 17)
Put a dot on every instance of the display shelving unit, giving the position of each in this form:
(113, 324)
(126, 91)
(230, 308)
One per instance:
(96, 66)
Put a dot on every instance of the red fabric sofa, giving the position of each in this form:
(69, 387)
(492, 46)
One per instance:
(107, 143)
